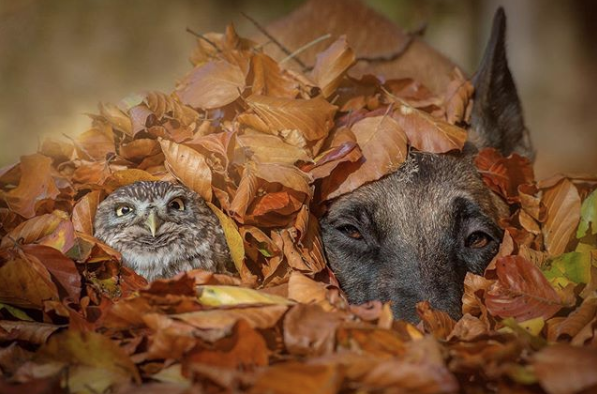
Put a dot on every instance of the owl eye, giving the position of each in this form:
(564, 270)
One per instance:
(177, 204)
(123, 210)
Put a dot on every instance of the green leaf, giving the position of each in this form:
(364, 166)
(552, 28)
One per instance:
(574, 266)
(588, 216)
(16, 312)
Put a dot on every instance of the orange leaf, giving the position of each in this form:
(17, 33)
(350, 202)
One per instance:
(383, 144)
(504, 175)
(189, 167)
(331, 65)
(312, 118)
(212, 85)
(427, 133)
(269, 79)
(563, 214)
(84, 212)
(563, 369)
(25, 282)
(35, 186)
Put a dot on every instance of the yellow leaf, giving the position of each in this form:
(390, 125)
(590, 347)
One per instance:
(533, 326)
(232, 295)
(233, 238)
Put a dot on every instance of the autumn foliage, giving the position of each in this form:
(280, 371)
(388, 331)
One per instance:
(268, 147)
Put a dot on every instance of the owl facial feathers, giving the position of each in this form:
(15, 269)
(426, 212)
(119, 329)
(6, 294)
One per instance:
(161, 229)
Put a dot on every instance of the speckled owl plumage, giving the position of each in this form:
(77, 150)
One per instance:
(183, 239)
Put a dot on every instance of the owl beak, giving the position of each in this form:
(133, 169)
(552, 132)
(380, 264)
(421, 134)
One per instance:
(153, 223)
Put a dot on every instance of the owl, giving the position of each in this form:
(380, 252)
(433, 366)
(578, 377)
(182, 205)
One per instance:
(161, 229)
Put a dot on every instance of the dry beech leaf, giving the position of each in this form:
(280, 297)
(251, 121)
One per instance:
(96, 143)
(312, 118)
(84, 212)
(563, 214)
(331, 65)
(212, 85)
(95, 362)
(298, 378)
(53, 230)
(264, 148)
(436, 322)
(504, 175)
(458, 97)
(269, 79)
(427, 133)
(61, 268)
(189, 167)
(521, 291)
(116, 117)
(35, 186)
(576, 321)
(245, 349)
(563, 369)
(25, 282)
(32, 332)
(383, 144)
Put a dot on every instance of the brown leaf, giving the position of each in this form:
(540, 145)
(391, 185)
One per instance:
(298, 378)
(261, 317)
(331, 65)
(139, 149)
(189, 167)
(250, 196)
(35, 186)
(312, 118)
(563, 214)
(504, 175)
(95, 363)
(53, 230)
(427, 133)
(421, 372)
(96, 143)
(28, 332)
(245, 349)
(126, 177)
(269, 79)
(563, 369)
(84, 212)
(25, 282)
(521, 291)
(458, 98)
(309, 330)
(212, 85)
(468, 328)
(436, 322)
(116, 117)
(383, 144)
(575, 322)
(307, 291)
(61, 268)
(264, 148)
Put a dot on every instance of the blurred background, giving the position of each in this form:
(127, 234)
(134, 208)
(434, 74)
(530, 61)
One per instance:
(58, 59)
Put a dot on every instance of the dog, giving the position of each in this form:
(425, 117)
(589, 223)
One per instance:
(414, 234)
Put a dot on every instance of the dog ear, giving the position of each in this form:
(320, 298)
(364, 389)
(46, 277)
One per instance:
(496, 119)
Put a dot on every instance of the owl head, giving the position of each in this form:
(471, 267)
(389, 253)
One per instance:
(161, 228)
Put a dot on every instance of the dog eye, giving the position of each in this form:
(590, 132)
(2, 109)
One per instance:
(123, 210)
(177, 204)
(350, 231)
(477, 240)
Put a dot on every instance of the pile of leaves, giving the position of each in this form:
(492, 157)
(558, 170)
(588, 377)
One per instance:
(268, 148)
